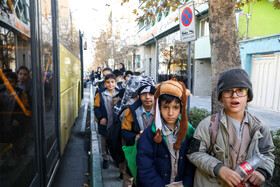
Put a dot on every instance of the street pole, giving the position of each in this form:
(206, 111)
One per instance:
(189, 75)
(133, 58)
(157, 63)
(82, 62)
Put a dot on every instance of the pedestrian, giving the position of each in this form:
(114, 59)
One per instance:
(122, 67)
(92, 76)
(103, 111)
(137, 117)
(98, 74)
(161, 149)
(100, 84)
(119, 78)
(126, 97)
(239, 136)
(127, 74)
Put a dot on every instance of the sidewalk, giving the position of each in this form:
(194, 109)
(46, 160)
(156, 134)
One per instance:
(101, 177)
(269, 118)
(73, 167)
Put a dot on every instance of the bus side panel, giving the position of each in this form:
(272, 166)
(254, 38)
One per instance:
(70, 97)
(70, 69)
(68, 113)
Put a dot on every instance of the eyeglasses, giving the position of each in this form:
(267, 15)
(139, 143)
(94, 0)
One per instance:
(242, 92)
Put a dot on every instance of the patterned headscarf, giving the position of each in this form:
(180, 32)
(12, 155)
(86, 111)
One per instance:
(131, 88)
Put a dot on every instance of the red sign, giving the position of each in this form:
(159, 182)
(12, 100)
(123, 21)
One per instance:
(186, 17)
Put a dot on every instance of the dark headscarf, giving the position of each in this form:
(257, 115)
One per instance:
(123, 67)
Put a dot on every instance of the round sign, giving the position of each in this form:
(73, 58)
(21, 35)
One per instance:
(186, 17)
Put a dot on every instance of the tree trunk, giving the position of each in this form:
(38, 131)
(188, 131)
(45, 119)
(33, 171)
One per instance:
(224, 43)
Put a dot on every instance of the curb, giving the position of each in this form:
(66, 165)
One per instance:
(83, 126)
(95, 158)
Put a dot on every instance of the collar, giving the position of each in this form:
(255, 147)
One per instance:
(106, 92)
(143, 111)
(166, 130)
(153, 127)
(223, 117)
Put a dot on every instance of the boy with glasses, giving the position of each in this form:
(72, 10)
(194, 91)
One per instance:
(238, 137)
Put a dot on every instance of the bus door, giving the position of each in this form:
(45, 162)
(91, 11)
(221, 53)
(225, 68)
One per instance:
(50, 109)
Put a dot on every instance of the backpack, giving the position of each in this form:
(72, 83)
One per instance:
(213, 130)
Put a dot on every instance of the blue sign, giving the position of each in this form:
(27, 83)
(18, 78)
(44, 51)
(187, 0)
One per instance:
(186, 17)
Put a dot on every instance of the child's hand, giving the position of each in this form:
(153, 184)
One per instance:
(138, 136)
(255, 178)
(229, 176)
(103, 121)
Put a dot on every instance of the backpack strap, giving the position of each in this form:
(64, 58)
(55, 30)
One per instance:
(213, 130)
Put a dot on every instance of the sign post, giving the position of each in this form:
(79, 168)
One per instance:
(188, 34)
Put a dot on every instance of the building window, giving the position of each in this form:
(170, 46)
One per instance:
(22, 10)
(148, 24)
(138, 61)
(159, 17)
(204, 28)
(141, 24)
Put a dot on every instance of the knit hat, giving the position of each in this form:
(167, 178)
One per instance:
(178, 89)
(234, 78)
(147, 85)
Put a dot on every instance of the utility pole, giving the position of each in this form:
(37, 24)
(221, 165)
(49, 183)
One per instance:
(157, 61)
(170, 56)
(134, 58)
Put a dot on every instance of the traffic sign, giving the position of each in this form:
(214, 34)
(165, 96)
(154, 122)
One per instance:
(187, 22)
(186, 16)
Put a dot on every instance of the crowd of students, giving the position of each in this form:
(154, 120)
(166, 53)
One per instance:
(134, 112)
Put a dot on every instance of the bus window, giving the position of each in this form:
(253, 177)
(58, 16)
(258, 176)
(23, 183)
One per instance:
(17, 150)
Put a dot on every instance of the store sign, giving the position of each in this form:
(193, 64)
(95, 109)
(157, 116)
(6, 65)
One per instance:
(187, 23)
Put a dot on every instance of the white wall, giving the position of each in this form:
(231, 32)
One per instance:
(202, 78)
